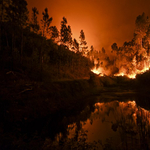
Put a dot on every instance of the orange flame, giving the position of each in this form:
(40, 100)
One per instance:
(124, 71)
(98, 71)
(134, 73)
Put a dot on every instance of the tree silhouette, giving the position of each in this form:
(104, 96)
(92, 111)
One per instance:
(34, 22)
(69, 34)
(103, 50)
(54, 33)
(66, 34)
(17, 17)
(2, 7)
(63, 30)
(91, 48)
(145, 42)
(17, 12)
(46, 21)
(83, 43)
(142, 23)
(76, 45)
(114, 47)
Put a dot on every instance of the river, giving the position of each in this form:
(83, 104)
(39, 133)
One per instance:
(108, 124)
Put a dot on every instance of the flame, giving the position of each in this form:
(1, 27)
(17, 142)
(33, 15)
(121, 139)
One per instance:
(131, 76)
(130, 73)
(98, 71)
(133, 103)
(134, 73)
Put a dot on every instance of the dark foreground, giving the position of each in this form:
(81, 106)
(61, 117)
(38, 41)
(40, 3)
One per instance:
(33, 113)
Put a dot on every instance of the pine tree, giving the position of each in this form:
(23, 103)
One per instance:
(34, 22)
(76, 45)
(66, 34)
(83, 43)
(54, 33)
(46, 21)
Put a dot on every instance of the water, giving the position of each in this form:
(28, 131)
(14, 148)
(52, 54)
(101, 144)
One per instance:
(114, 125)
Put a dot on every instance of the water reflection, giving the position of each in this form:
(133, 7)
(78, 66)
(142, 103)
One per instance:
(113, 125)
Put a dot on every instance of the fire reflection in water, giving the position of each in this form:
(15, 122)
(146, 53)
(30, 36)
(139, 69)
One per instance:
(113, 125)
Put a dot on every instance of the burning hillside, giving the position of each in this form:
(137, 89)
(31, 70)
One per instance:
(129, 60)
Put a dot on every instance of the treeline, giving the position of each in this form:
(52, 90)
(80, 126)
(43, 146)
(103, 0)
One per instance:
(37, 48)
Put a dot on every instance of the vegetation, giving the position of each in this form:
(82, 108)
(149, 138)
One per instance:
(38, 63)
(38, 51)
(43, 52)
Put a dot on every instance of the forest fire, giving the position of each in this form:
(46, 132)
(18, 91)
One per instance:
(122, 72)
(130, 59)
(144, 66)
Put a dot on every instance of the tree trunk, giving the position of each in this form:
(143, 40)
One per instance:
(12, 52)
(6, 35)
(21, 52)
(1, 20)
(41, 62)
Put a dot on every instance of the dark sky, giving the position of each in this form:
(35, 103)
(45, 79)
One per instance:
(103, 21)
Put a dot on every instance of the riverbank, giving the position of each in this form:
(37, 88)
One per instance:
(29, 107)
(22, 98)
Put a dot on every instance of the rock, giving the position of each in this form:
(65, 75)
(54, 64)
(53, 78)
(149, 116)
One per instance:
(108, 81)
(95, 80)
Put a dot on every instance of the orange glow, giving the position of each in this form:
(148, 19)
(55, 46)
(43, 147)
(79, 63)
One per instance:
(103, 22)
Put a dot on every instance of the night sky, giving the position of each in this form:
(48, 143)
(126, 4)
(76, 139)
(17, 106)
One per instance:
(103, 21)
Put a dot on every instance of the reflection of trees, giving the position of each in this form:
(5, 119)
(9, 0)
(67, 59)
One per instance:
(131, 122)
(77, 138)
